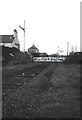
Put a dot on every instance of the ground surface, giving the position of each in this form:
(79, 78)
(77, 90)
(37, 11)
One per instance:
(47, 90)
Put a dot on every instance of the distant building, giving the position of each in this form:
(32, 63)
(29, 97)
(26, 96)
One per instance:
(43, 54)
(10, 40)
(33, 49)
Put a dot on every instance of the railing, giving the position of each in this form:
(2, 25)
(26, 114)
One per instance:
(49, 59)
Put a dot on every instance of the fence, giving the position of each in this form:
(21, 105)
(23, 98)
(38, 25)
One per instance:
(49, 59)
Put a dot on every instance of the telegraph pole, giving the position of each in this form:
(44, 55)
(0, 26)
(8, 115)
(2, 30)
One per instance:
(24, 35)
(76, 48)
(58, 50)
(67, 48)
(23, 28)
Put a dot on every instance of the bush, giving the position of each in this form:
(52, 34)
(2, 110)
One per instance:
(74, 58)
(14, 56)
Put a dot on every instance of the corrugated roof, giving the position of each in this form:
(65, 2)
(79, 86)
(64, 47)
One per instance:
(6, 38)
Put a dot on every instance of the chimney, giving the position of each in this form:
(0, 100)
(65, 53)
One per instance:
(15, 34)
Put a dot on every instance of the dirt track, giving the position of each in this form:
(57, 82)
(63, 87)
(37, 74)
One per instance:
(38, 93)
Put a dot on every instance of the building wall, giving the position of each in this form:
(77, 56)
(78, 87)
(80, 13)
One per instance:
(16, 45)
(9, 41)
(33, 50)
(6, 38)
(8, 45)
(0, 38)
(16, 41)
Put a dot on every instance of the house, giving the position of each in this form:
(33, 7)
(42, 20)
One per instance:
(33, 49)
(10, 40)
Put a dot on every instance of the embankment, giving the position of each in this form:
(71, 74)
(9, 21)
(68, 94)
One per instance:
(54, 93)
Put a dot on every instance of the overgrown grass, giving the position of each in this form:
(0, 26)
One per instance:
(53, 93)
(66, 75)
(13, 56)
(42, 81)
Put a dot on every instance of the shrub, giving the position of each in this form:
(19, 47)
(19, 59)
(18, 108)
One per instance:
(74, 58)
(14, 56)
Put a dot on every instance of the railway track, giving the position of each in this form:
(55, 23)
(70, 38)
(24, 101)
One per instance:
(12, 82)
(41, 97)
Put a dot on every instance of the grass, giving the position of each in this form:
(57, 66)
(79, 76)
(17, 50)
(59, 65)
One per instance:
(54, 93)
(65, 95)
(43, 79)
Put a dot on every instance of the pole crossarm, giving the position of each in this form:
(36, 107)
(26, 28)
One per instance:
(22, 28)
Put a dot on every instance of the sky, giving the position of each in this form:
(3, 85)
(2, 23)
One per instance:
(48, 23)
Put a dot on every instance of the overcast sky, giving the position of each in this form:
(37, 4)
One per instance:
(49, 23)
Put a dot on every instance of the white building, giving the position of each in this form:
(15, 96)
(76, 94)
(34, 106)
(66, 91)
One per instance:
(33, 49)
(10, 40)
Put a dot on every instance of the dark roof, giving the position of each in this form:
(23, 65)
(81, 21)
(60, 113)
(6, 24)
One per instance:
(33, 47)
(6, 38)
